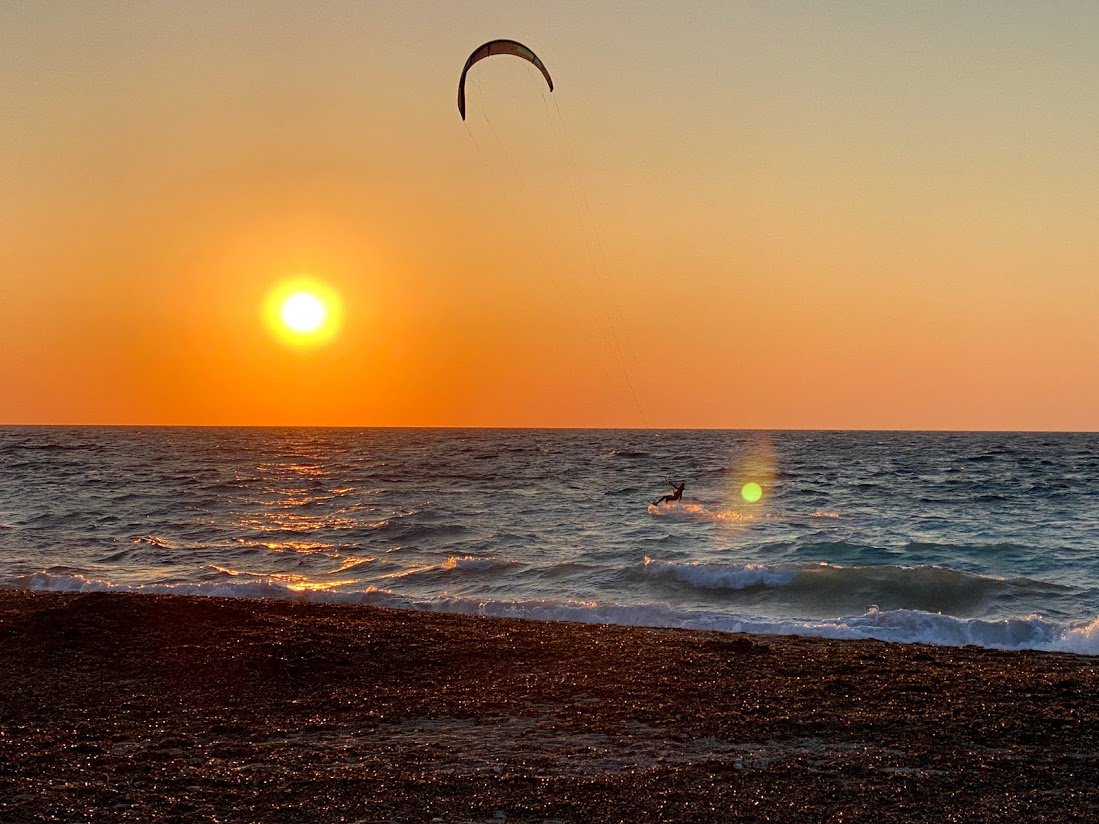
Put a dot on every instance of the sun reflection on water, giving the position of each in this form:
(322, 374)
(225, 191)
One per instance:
(294, 510)
(292, 582)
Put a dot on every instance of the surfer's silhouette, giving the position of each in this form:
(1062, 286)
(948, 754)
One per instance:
(677, 493)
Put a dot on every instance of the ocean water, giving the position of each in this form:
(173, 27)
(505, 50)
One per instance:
(941, 538)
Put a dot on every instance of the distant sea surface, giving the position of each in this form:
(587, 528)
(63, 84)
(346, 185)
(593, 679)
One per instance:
(941, 538)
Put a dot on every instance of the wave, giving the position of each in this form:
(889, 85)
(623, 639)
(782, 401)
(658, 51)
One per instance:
(977, 549)
(56, 447)
(629, 454)
(352, 563)
(279, 580)
(925, 586)
(455, 564)
(905, 626)
(153, 540)
(471, 564)
(722, 576)
(419, 532)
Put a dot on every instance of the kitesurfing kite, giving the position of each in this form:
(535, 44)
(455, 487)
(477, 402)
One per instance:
(498, 47)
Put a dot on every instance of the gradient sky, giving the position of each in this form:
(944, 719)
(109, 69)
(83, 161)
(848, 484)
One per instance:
(768, 215)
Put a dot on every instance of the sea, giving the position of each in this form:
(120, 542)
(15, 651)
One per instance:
(989, 539)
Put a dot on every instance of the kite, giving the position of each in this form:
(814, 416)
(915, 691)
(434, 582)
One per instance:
(498, 47)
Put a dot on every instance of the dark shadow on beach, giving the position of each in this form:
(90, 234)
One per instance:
(134, 708)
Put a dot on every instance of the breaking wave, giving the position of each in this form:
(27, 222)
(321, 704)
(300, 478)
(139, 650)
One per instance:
(722, 576)
(927, 587)
(904, 626)
(832, 576)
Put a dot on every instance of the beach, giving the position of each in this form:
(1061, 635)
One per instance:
(138, 707)
(509, 412)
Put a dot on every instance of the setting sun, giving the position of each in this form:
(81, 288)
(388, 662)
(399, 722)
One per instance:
(303, 312)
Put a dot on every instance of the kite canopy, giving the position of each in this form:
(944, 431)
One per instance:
(498, 47)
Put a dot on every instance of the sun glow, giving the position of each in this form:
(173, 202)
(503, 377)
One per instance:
(303, 312)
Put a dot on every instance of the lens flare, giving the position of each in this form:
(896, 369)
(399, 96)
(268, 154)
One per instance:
(751, 492)
(751, 480)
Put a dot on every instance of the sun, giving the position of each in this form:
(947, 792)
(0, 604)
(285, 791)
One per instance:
(303, 312)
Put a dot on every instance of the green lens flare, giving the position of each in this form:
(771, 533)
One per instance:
(751, 492)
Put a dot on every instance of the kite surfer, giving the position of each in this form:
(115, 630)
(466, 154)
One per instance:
(677, 493)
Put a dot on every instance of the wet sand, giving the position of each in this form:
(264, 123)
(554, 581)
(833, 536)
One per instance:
(136, 707)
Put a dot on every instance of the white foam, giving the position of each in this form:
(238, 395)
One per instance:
(1082, 638)
(689, 511)
(900, 626)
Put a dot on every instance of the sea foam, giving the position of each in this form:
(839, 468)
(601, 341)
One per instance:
(904, 626)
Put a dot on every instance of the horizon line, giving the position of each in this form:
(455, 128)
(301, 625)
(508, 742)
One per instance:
(546, 428)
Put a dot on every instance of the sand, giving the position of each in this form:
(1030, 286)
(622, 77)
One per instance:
(121, 707)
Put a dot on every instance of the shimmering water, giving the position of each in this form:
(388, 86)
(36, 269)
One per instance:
(939, 537)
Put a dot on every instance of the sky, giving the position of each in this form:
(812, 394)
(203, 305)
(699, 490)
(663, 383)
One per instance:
(726, 215)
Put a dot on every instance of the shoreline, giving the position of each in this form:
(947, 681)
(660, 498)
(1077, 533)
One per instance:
(128, 706)
(1031, 632)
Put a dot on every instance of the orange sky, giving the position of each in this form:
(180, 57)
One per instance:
(759, 215)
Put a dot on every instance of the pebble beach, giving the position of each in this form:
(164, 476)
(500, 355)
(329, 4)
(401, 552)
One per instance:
(128, 707)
